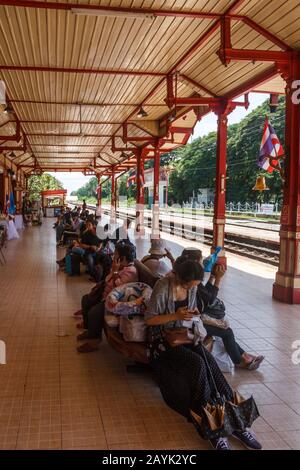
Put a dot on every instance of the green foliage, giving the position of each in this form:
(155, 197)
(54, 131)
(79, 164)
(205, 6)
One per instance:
(37, 183)
(195, 164)
(88, 191)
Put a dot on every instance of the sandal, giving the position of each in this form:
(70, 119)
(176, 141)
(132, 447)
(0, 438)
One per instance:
(83, 336)
(253, 365)
(78, 313)
(87, 348)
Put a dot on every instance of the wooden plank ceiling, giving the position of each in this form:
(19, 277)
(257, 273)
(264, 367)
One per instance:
(74, 79)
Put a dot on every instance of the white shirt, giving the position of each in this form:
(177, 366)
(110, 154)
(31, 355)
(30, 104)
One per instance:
(159, 267)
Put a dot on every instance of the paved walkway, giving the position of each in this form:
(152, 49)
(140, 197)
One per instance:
(53, 398)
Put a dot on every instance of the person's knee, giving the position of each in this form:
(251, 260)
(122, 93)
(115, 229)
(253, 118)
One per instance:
(95, 311)
(229, 333)
(84, 300)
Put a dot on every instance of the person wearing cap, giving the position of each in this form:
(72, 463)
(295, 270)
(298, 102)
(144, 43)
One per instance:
(160, 260)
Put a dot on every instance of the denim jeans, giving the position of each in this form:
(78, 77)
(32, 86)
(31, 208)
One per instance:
(89, 258)
(232, 348)
(78, 250)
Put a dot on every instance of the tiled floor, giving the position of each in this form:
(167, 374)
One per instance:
(53, 398)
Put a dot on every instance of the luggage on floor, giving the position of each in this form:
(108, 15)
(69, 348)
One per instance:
(133, 328)
(221, 357)
(73, 264)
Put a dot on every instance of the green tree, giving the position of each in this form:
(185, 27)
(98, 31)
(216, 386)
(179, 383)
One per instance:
(88, 190)
(195, 164)
(38, 183)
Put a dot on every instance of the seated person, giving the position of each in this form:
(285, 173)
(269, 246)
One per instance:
(121, 233)
(59, 227)
(85, 247)
(84, 214)
(181, 370)
(160, 260)
(73, 231)
(208, 301)
(74, 211)
(67, 217)
(122, 271)
(102, 266)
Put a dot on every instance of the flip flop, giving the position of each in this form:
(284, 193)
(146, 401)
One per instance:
(78, 313)
(83, 336)
(87, 348)
(255, 363)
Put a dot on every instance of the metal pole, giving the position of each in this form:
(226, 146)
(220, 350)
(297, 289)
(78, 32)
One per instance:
(140, 196)
(99, 197)
(113, 199)
(155, 206)
(219, 205)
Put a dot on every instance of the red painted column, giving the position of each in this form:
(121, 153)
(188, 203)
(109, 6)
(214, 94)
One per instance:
(113, 199)
(287, 284)
(140, 197)
(220, 189)
(155, 206)
(99, 197)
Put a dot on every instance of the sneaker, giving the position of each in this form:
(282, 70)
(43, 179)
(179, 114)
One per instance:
(220, 444)
(248, 439)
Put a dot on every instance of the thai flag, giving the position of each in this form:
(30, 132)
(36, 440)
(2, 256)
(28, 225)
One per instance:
(270, 147)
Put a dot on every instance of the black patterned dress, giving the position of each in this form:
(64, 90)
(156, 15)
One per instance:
(182, 374)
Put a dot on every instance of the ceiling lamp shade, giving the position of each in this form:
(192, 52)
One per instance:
(113, 13)
(171, 117)
(142, 113)
(9, 109)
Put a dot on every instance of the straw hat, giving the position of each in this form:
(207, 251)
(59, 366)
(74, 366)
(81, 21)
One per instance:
(158, 247)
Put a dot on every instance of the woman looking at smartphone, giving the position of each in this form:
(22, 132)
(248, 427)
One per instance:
(180, 370)
(122, 272)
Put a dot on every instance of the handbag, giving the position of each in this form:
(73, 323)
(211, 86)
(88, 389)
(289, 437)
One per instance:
(221, 356)
(177, 336)
(216, 309)
(221, 417)
(133, 328)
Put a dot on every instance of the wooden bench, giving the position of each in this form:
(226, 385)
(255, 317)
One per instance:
(135, 351)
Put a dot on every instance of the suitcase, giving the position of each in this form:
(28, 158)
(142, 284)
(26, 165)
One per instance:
(73, 264)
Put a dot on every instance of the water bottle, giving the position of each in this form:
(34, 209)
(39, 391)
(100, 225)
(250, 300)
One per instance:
(211, 260)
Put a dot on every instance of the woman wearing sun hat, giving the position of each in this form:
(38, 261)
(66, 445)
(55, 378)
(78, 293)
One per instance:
(160, 260)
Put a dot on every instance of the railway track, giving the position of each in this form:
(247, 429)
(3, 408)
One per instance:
(266, 251)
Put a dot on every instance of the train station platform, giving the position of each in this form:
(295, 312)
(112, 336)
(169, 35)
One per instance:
(51, 397)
